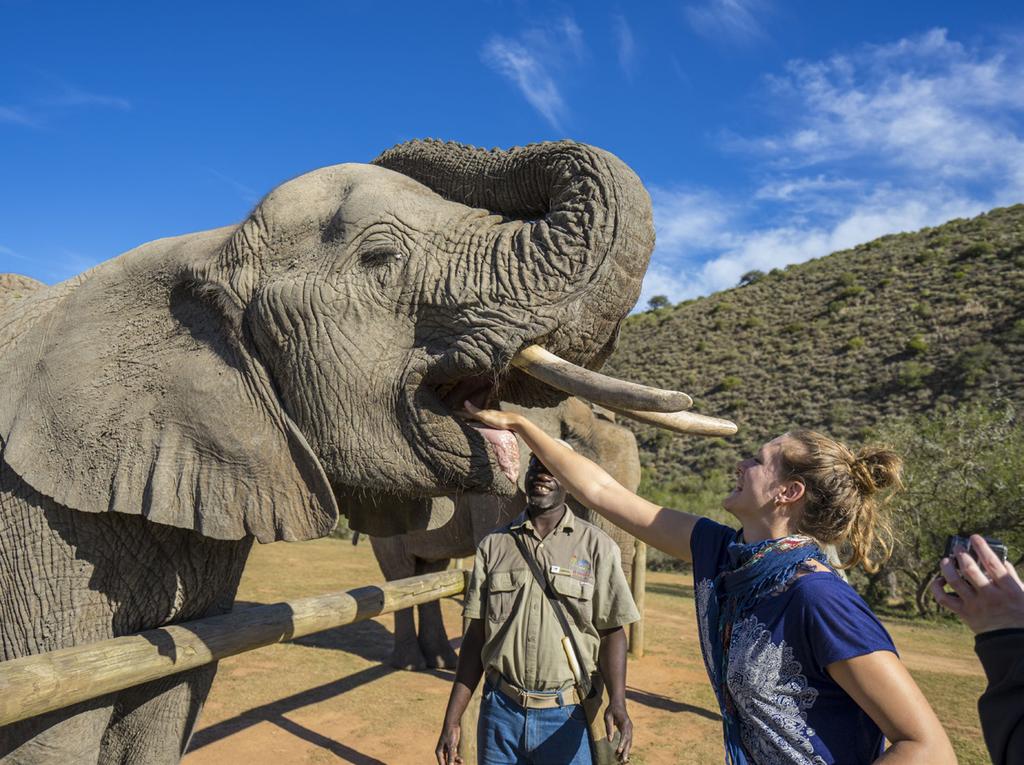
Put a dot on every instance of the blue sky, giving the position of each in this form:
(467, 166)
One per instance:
(767, 132)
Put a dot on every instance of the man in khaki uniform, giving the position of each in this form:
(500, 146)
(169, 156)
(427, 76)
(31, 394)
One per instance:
(531, 712)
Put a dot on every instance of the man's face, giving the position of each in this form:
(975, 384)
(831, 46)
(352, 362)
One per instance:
(543, 491)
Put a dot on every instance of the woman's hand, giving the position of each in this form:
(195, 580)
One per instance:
(495, 418)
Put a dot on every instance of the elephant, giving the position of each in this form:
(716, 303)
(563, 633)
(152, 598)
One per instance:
(14, 287)
(592, 431)
(167, 408)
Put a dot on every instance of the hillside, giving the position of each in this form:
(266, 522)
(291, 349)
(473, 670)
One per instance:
(902, 324)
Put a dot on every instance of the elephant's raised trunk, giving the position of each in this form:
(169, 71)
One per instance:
(576, 250)
(576, 206)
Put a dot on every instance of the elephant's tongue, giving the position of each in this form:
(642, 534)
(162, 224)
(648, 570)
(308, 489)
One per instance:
(506, 449)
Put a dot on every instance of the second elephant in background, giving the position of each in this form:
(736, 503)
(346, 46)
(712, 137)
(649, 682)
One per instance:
(592, 431)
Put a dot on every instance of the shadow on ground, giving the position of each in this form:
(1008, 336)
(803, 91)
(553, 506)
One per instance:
(368, 640)
(657, 701)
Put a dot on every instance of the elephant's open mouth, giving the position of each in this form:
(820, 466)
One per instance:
(482, 392)
(489, 461)
(494, 454)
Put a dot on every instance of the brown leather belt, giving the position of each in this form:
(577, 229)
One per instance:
(533, 699)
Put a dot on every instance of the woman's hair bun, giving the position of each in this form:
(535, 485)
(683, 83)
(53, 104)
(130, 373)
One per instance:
(875, 469)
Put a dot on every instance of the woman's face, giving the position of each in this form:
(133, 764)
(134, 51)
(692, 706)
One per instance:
(758, 481)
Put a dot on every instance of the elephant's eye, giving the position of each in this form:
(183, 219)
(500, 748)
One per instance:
(380, 256)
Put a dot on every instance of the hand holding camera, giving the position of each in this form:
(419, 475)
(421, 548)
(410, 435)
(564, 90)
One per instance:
(987, 591)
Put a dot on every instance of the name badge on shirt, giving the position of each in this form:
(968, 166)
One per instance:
(580, 569)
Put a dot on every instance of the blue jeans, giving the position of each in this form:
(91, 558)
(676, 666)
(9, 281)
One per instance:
(510, 735)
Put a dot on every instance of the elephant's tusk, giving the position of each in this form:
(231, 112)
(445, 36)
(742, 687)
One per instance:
(682, 422)
(595, 387)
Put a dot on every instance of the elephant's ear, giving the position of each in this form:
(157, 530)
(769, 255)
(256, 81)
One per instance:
(125, 392)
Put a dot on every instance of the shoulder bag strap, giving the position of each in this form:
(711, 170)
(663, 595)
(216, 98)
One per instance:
(556, 604)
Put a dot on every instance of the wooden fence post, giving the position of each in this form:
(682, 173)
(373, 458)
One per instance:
(639, 586)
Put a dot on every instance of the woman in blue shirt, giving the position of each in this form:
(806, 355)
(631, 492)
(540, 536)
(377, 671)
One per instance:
(803, 670)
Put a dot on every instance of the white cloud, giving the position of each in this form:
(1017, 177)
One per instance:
(532, 61)
(732, 20)
(708, 247)
(885, 139)
(571, 34)
(789, 189)
(924, 105)
(624, 43)
(775, 247)
(662, 280)
(16, 115)
(688, 220)
(61, 97)
(72, 96)
(7, 252)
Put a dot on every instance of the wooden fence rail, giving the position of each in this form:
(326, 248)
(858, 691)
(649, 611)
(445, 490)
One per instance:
(32, 685)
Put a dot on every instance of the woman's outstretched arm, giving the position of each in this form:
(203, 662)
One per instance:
(661, 527)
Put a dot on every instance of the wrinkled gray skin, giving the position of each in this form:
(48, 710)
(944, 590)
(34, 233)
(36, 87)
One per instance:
(163, 410)
(592, 432)
(15, 287)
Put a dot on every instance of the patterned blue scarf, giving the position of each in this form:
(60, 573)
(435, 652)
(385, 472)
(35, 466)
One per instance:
(754, 571)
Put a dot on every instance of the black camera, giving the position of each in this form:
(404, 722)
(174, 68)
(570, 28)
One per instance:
(955, 544)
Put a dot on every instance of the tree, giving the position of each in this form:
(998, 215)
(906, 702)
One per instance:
(658, 301)
(963, 474)
(750, 277)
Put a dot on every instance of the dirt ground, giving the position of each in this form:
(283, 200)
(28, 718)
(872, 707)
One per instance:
(331, 697)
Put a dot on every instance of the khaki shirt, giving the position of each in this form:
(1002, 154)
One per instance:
(522, 634)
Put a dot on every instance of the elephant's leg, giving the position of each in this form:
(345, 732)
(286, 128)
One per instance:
(433, 638)
(152, 723)
(397, 563)
(407, 653)
(72, 735)
(75, 578)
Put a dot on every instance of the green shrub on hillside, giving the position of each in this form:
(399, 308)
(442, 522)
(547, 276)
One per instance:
(977, 250)
(913, 374)
(720, 307)
(924, 310)
(973, 364)
(855, 343)
(1016, 333)
(917, 344)
(730, 383)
